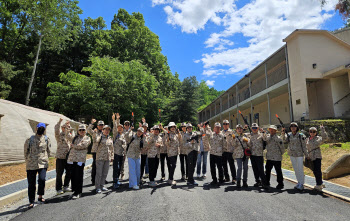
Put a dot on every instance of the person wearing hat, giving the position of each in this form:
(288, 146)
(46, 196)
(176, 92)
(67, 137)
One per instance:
(257, 157)
(154, 143)
(144, 160)
(204, 148)
(63, 146)
(119, 149)
(128, 134)
(133, 152)
(191, 141)
(163, 154)
(95, 134)
(36, 155)
(172, 141)
(77, 159)
(183, 154)
(241, 142)
(296, 150)
(216, 140)
(227, 152)
(104, 155)
(313, 143)
(274, 155)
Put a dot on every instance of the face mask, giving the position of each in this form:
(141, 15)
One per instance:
(40, 131)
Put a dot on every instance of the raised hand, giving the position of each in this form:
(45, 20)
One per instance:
(117, 115)
(93, 121)
(113, 117)
(61, 119)
(143, 120)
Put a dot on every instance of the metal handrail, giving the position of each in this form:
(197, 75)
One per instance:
(342, 98)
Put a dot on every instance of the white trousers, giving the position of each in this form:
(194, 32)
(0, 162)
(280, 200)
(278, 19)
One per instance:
(298, 166)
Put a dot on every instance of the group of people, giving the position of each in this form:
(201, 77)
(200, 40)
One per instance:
(148, 146)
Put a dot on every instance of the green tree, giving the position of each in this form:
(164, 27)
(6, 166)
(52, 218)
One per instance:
(207, 95)
(6, 73)
(51, 21)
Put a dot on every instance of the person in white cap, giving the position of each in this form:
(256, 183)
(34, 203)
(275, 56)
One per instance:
(296, 150)
(172, 141)
(191, 141)
(183, 154)
(227, 152)
(154, 143)
(216, 140)
(257, 157)
(274, 155)
(241, 142)
(95, 134)
(119, 149)
(134, 158)
(63, 146)
(77, 159)
(104, 155)
(313, 143)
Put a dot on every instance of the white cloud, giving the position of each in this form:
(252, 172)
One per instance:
(192, 15)
(210, 83)
(264, 23)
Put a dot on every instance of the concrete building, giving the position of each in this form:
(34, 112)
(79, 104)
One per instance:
(307, 78)
(18, 122)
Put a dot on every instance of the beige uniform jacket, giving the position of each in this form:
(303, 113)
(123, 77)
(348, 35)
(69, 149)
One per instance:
(37, 152)
(256, 143)
(183, 149)
(313, 145)
(79, 148)
(134, 150)
(105, 149)
(296, 144)
(228, 141)
(95, 136)
(238, 151)
(152, 149)
(63, 144)
(189, 146)
(274, 147)
(172, 142)
(216, 141)
(163, 148)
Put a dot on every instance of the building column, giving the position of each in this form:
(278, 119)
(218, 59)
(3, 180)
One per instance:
(289, 90)
(229, 118)
(250, 88)
(251, 113)
(228, 100)
(266, 76)
(210, 112)
(268, 107)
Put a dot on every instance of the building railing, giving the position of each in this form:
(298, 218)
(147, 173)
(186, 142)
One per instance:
(277, 75)
(258, 86)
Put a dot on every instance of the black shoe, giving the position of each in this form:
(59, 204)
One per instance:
(238, 184)
(257, 184)
(189, 184)
(42, 201)
(245, 184)
(280, 186)
(163, 178)
(265, 187)
(195, 183)
(221, 181)
(183, 178)
(227, 180)
(233, 182)
(214, 183)
(106, 182)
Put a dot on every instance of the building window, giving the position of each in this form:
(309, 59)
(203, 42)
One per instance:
(298, 101)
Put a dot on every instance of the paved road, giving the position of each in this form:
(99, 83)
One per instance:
(196, 203)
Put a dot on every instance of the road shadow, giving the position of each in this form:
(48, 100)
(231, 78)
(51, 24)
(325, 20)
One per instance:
(235, 188)
(20, 209)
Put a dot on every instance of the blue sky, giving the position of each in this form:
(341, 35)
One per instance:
(219, 41)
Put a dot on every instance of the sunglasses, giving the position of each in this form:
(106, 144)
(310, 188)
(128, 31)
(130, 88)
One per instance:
(81, 130)
(311, 132)
(225, 124)
(254, 128)
(127, 124)
(293, 126)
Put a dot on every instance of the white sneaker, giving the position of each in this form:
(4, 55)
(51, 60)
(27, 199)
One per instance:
(198, 175)
(98, 190)
(136, 187)
(67, 189)
(104, 189)
(59, 192)
(173, 182)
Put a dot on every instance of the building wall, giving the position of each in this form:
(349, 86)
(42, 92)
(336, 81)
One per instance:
(303, 51)
(320, 99)
(343, 35)
(340, 88)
